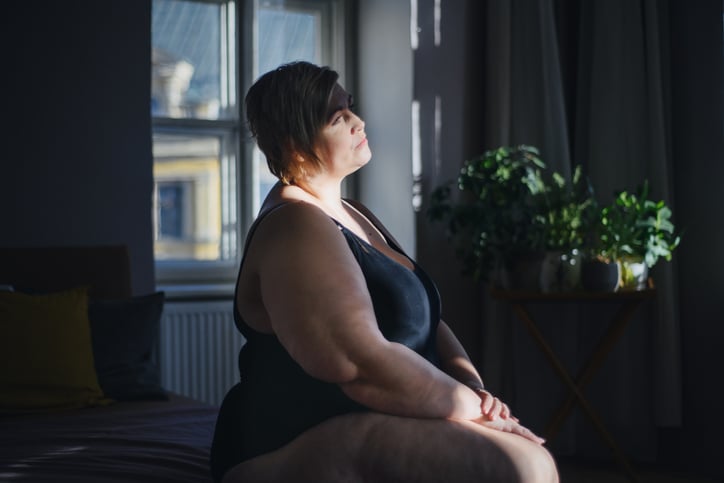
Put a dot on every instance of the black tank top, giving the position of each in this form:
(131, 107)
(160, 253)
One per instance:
(277, 400)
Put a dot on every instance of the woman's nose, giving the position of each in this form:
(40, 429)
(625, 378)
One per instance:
(359, 125)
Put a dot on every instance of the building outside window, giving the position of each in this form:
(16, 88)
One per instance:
(209, 178)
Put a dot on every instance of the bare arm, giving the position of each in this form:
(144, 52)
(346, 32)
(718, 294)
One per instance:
(320, 309)
(455, 361)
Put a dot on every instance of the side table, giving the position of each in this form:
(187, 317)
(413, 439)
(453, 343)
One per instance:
(628, 301)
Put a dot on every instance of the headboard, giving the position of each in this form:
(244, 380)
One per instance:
(105, 268)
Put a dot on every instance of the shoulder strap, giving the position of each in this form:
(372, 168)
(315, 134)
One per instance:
(256, 223)
(237, 316)
(375, 221)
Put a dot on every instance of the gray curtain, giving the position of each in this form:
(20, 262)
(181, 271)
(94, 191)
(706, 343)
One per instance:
(614, 120)
(623, 137)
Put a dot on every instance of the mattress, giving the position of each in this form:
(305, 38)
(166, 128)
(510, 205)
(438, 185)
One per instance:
(135, 441)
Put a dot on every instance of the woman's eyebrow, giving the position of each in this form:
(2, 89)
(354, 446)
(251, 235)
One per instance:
(341, 106)
(333, 111)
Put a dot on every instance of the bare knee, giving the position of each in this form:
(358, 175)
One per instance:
(534, 464)
(518, 460)
(430, 451)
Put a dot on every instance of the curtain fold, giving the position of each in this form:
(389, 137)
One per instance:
(524, 101)
(621, 136)
(667, 331)
(623, 140)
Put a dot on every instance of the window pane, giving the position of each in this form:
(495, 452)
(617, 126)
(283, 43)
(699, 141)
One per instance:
(187, 198)
(171, 198)
(287, 34)
(187, 60)
(199, 207)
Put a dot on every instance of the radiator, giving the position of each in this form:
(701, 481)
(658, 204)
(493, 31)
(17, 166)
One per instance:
(198, 349)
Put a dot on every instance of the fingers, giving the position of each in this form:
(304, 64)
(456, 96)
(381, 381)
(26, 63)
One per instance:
(510, 426)
(505, 411)
(492, 407)
(497, 415)
(528, 434)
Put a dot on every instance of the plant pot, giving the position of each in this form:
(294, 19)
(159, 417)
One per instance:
(634, 275)
(560, 271)
(600, 276)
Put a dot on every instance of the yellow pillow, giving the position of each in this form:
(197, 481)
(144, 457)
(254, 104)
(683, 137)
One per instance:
(46, 356)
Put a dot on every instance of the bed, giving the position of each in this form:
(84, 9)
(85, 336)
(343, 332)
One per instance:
(80, 394)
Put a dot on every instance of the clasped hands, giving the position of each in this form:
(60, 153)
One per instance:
(496, 415)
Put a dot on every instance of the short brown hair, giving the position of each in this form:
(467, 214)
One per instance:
(286, 108)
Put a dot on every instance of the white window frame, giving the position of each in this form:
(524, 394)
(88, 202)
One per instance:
(212, 278)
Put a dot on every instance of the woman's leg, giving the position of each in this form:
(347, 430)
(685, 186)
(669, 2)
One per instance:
(377, 448)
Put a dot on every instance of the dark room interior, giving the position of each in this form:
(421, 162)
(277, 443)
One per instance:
(631, 90)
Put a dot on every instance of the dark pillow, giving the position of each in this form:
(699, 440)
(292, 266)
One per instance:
(124, 335)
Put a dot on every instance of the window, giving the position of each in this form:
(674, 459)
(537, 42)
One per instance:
(209, 178)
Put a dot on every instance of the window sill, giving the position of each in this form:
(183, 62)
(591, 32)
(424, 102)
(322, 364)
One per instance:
(197, 292)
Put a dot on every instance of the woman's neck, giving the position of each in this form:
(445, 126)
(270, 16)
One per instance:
(327, 192)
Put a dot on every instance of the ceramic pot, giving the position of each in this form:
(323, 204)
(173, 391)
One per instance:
(599, 276)
(634, 275)
(560, 271)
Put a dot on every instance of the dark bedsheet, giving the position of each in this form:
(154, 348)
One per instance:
(145, 441)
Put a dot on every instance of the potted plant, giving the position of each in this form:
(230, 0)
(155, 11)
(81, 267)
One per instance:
(639, 232)
(570, 213)
(600, 267)
(490, 215)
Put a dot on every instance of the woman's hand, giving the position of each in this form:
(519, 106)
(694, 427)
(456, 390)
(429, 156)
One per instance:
(496, 415)
(510, 425)
(492, 407)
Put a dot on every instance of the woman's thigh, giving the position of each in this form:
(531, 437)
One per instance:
(372, 447)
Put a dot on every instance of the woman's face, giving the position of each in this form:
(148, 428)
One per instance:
(342, 142)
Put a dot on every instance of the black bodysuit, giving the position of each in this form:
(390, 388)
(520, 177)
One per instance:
(276, 400)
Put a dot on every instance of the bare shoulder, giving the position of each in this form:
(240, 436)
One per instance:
(289, 208)
(297, 212)
(292, 237)
(298, 236)
(313, 291)
(297, 222)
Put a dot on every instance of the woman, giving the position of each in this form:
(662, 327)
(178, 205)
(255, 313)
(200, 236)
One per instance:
(348, 373)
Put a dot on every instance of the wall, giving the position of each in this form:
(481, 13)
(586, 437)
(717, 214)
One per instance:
(390, 76)
(384, 96)
(448, 86)
(77, 167)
